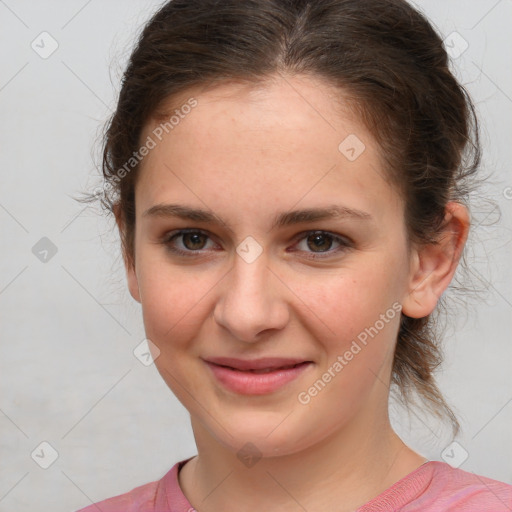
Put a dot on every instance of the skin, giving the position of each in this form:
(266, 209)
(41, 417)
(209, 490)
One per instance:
(247, 153)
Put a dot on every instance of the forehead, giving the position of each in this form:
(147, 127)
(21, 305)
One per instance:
(263, 147)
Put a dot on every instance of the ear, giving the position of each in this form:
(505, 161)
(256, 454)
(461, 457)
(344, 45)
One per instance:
(129, 265)
(433, 265)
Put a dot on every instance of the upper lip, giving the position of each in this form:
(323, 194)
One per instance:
(255, 364)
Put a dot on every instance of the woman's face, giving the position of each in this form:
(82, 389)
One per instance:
(267, 268)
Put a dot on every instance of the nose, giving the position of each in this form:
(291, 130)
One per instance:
(252, 301)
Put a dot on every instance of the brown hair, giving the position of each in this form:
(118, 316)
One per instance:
(383, 53)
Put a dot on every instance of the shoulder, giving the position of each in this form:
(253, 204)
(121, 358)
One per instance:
(453, 489)
(139, 499)
(151, 497)
(438, 487)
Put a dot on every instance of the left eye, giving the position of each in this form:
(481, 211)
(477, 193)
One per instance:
(321, 242)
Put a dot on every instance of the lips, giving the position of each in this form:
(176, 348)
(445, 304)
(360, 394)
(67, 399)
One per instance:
(256, 376)
(266, 364)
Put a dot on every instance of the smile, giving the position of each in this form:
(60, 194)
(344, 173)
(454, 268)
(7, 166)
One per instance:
(256, 381)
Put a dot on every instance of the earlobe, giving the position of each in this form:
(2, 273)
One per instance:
(433, 266)
(133, 283)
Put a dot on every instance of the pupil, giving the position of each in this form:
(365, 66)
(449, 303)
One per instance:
(195, 238)
(318, 239)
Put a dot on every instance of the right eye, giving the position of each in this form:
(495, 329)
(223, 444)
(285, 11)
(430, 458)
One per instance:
(186, 242)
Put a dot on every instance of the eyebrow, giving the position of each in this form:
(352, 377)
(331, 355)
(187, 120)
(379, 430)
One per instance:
(282, 219)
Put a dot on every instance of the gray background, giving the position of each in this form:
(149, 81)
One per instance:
(68, 374)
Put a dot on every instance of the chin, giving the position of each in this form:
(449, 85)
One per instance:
(264, 435)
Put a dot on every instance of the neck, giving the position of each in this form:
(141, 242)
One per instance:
(347, 469)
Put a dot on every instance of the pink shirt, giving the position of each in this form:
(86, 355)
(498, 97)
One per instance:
(433, 487)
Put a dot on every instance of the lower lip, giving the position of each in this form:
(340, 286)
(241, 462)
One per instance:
(249, 383)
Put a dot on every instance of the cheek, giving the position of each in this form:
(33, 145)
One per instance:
(173, 302)
(361, 318)
(174, 308)
(343, 305)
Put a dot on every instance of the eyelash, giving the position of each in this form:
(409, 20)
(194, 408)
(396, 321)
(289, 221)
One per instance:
(344, 243)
